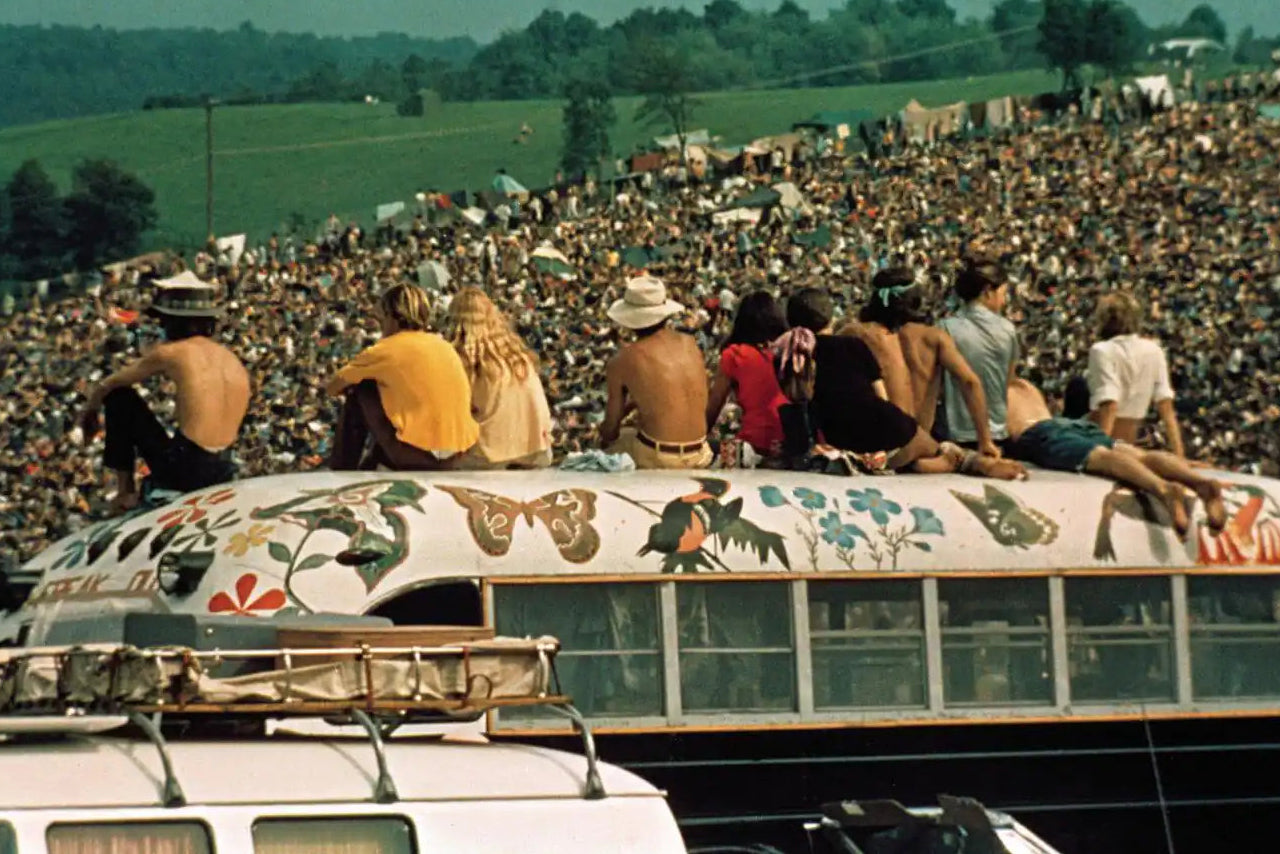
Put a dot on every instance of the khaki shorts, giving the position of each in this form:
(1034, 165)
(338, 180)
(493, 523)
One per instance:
(651, 458)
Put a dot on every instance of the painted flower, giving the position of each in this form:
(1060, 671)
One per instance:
(873, 501)
(243, 604)
(809, 499)
(242, 541)
(72, 556)
(195, 508)
(771, 496)
(360, 503)
(837, 533)
(927, 521)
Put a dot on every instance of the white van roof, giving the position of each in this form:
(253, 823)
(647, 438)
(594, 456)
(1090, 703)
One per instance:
(104, 772)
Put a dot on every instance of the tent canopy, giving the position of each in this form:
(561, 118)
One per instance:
(761, 198)
(508, 186)
(702, 136)
(790, 197)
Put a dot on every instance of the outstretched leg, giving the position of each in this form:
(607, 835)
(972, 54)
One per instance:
(1127, 467)
(1172, 467)
(924, 455)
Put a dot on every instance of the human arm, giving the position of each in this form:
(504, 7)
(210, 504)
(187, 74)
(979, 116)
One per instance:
(721, 385)
(1104, 388)
(615, 409)
(363, 367)
(975, 399)
(1164, 408)
(153, 362)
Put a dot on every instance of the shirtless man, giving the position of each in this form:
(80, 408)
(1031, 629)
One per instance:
(663, 377)
(910, 353)
(212, 398)
(1080, 445)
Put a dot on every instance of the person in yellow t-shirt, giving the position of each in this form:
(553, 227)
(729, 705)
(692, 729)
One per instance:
(409, 393)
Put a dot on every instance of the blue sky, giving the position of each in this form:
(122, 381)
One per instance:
(482, 19)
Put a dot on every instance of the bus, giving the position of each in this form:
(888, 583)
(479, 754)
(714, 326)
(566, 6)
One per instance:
(757, 642)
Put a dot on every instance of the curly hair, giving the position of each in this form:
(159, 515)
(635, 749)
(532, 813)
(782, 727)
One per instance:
(1119, 313)
(483, 337)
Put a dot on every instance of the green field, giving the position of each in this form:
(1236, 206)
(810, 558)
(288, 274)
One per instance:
(313, 159)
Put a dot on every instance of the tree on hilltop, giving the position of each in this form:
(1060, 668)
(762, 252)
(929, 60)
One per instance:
(664, 76)
(1064, 38)
(37, 228)
(1204, 22)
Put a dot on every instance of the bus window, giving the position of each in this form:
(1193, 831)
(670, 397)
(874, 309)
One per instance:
(995, 641)
(868, 644)
(735, 646)
(1119, 639)
(1235, 636)
(364, 835)
(8, 842)
(153, 837)
(610, 659)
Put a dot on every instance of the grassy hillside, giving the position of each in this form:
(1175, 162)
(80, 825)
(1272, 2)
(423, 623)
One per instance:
(312, 159)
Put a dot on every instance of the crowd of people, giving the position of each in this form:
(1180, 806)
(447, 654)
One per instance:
(1181, 211)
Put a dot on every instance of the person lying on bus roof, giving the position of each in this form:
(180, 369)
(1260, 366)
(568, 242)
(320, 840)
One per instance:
(914, 355)
(662, 376)
(1080, 445)
(848, 403)
(408, 393)
(212, 390)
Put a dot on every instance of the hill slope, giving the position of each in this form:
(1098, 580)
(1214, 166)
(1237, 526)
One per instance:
(273, 161)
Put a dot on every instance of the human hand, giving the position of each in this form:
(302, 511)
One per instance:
(989, 449)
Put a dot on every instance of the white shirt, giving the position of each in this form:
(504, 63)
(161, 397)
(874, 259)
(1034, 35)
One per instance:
(1131, 371)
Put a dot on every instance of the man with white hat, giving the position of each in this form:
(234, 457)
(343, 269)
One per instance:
(663, 377)
(212, 389)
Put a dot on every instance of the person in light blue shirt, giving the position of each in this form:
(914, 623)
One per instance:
(989, 343)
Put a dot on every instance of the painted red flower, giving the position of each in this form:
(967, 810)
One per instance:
(193, 509)
(242, 604)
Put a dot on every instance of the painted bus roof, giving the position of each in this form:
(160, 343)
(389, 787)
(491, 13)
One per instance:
(275, 542)
(300, 770)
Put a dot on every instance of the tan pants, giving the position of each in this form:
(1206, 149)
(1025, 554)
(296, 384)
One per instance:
(651, 458)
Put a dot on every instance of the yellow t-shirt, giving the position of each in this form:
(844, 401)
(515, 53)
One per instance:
(424, 389)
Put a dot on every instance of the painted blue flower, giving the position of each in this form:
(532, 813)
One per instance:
(771, 496)
(873, 501)
(838, 533)
(810, 499)
(926, 521)
(72, 556)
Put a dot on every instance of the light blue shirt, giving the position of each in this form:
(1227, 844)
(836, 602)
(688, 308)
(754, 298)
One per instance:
(989, 343)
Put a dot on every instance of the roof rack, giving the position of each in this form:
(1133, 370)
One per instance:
(97, 687)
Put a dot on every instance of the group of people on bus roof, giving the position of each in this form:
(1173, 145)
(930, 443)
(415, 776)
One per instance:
(888, 392)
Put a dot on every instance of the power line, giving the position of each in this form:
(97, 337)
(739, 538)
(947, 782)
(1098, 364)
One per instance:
(869, 63)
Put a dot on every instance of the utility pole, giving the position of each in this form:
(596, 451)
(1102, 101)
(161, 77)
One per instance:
(209, 104)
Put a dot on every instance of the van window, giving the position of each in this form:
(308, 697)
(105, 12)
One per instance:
(365, 835)
(135, 837)
(8, 842)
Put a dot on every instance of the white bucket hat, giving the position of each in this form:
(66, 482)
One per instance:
(644, 303)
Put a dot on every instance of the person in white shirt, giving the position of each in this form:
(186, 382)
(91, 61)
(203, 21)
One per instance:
(1127, 373)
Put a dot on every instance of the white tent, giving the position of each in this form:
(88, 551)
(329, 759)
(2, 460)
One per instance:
(233, 245)
(389, 210)
(792, 199)
(1157, 89)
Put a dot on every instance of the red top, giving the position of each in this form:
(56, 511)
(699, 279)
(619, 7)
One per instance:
(756, 387)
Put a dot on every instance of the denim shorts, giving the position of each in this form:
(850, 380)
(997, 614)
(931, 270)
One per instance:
(1062, 444)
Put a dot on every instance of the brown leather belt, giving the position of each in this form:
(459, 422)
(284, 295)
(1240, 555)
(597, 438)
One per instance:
(671, 447)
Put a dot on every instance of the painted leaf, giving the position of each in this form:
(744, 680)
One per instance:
(771, 496)
(162, 540)
(131, 542)
(279, 552)
(313, 562)
(100, 544)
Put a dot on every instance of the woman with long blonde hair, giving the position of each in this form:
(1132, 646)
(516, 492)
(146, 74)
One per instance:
(507, 398)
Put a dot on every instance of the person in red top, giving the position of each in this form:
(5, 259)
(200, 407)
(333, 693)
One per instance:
(746, 369)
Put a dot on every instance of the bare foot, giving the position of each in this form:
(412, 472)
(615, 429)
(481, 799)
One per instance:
(999, 469)
(124, 502)
(1172, 497)
(1210, 492)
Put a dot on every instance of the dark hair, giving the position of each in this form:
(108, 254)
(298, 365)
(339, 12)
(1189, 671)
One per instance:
(895, 300)
(178, 328)
(1075, 401)
(978, 276)
(810, 308)
(759, 320)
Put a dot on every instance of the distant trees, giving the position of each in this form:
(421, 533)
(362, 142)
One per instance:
(1204, 22)
(1103, 33)
(665, 78)
(589, 116)
(101, 220)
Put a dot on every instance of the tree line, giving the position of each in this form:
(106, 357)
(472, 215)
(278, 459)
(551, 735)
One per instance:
(65, 72)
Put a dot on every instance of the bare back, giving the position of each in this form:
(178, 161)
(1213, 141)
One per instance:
(888, 351)
(212, 390)
(919, 343)
(664, 376)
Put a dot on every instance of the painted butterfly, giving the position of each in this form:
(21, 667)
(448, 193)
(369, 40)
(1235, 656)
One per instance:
(566, 513)
(1010, 522)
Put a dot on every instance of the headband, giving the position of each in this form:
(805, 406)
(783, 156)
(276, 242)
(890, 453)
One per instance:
(886, 294)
